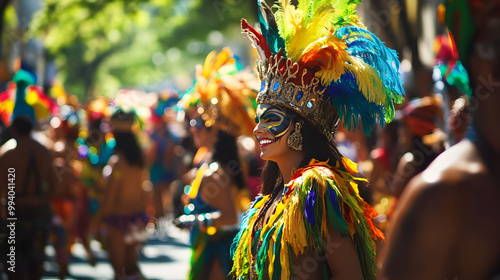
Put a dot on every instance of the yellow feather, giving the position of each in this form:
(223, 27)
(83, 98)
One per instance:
(368, 80)
(284, 261)
(270, 256)
(208, 69)
(305, 34)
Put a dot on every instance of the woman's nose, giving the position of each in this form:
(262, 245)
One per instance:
(258, 129)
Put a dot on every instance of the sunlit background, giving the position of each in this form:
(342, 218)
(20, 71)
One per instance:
(97, 47)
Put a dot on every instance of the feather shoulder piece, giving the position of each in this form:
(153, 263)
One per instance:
(318, 196)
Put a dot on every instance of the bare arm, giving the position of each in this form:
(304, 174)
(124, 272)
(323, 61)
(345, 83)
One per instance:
(405, 171)
(342, 256)
(423, 232)
(55, 182)
(112, 189)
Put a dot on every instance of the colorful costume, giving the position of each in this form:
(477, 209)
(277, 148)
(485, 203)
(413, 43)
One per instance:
(331, 196)
(318, 61)
(208, 242)
(223, 100)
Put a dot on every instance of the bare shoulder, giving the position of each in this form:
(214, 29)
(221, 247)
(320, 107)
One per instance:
(216, 187)
(437, 219)
(212, 181)
(451, 171)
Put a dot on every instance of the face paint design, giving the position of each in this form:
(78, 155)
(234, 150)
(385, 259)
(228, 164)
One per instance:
(273, 119)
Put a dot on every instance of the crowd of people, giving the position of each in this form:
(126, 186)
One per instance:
(263, 174)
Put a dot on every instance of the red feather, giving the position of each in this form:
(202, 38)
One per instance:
(257, 37)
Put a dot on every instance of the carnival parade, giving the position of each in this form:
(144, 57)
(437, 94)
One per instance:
(262, 139)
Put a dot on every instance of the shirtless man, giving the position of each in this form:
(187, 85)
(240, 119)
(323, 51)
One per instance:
(447, 226)
(35, 181)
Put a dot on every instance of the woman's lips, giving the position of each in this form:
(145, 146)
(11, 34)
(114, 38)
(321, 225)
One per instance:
(265, 141)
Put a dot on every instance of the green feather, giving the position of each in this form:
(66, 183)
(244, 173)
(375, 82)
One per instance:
(276, 251)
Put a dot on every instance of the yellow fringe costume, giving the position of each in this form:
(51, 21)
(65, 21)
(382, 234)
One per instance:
(317, 194)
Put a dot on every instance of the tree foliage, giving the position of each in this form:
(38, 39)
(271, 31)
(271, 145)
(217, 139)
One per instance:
(100, 46)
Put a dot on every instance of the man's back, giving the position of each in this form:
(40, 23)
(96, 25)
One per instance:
(34, 172)
(447, 224)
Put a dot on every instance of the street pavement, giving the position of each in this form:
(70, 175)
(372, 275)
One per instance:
(165, 255)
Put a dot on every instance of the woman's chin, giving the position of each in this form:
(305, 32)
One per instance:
(264, 156)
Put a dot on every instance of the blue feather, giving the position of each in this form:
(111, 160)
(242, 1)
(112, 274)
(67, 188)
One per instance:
(245, 217)
(309, 207)
(365, 45)
(352, 105)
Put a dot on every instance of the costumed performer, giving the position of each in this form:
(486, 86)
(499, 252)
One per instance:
(123, 209)
(221, 109)
(318, 65)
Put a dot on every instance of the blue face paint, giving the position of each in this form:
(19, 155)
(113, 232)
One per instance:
(273, 119)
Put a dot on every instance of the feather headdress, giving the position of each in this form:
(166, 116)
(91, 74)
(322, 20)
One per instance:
(24, 98)
(223, 94)
(318, 60)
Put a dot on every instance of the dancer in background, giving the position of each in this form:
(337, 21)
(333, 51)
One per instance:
(64, 130)
(422, 138)
(123, 205)
(318, 65)
(220, 110)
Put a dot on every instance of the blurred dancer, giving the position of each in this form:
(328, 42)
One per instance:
(446, 225)
(95, 146)
(222, 109)
(384, 161)
(64, 130)
(457, 91)
(310, 222)
(161, 157)
(422, 138)
(123, 206)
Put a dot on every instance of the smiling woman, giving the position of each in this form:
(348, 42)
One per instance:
(313, 76)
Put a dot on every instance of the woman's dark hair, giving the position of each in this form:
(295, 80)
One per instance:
(315, 146)
(128, 146)
(226, 153)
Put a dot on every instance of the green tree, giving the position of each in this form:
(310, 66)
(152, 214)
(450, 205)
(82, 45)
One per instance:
(100, 45)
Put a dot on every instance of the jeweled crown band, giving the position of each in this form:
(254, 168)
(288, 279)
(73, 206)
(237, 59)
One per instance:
(306, 100)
